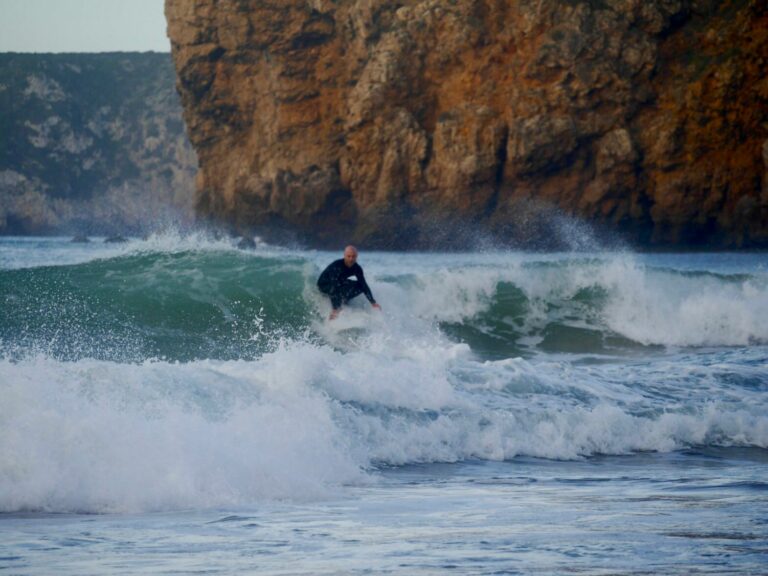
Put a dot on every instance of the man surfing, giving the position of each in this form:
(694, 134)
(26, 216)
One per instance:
(335, 282)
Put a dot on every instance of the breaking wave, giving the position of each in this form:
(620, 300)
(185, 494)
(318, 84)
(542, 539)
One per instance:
(161, 377)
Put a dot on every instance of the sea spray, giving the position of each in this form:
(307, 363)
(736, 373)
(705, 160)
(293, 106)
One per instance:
(306, 419)
(184, 373)
(100, 436)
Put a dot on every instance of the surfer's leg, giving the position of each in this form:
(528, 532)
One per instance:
(350, 289)
(336, 300)
(335, 296)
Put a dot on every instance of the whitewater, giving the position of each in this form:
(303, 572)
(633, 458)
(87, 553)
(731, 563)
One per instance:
(178, 405)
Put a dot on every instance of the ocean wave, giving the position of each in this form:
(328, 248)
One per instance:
(306, 419)
(178, 305)
(170, 301)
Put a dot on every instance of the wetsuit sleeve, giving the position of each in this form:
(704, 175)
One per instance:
(364, 284)
(322, 281)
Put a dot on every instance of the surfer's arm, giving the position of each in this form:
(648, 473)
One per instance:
(365, 287)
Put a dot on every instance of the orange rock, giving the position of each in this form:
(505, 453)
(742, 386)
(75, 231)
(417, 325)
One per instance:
(402, 124)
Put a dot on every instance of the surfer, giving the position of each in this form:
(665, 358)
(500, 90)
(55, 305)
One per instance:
(335, 282)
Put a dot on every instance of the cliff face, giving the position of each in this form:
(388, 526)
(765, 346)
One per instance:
(91, 143)
(408, 123)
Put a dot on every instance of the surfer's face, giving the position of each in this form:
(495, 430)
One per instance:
(350, 257)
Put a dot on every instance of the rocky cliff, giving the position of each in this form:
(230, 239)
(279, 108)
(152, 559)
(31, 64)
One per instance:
(424, 122)
(91, 143)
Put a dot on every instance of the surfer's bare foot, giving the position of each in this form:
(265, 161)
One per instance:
(334, 315)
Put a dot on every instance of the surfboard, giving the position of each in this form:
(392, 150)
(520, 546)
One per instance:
(349, 328)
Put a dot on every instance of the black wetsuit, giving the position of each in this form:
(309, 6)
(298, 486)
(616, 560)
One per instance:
(335, 282)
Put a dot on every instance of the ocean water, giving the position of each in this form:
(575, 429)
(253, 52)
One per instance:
(176, 405)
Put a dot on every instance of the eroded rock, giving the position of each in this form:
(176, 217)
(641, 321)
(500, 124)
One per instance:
(381, 122)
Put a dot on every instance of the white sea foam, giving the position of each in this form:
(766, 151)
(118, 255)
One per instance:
(642, 302)
(660, 307)
(172, 240)
(32, 252)
(307, 419)
(322, 410)
(17, 253)
(646, 304)
(102, 436)
(632, 298)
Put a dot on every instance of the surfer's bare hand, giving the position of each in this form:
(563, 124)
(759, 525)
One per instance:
(376, 306)
(334, 315)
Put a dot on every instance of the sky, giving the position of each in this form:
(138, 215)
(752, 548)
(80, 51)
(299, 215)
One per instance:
(82, 26)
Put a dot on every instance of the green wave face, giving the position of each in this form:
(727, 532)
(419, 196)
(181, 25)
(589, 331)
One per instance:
(516, 323)
(176, 306)
(226, 304)
(592, 306)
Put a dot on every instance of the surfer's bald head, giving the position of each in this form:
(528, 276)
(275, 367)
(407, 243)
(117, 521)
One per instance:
(350, 255)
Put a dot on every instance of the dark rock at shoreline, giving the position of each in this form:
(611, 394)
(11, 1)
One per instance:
(246, 243)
